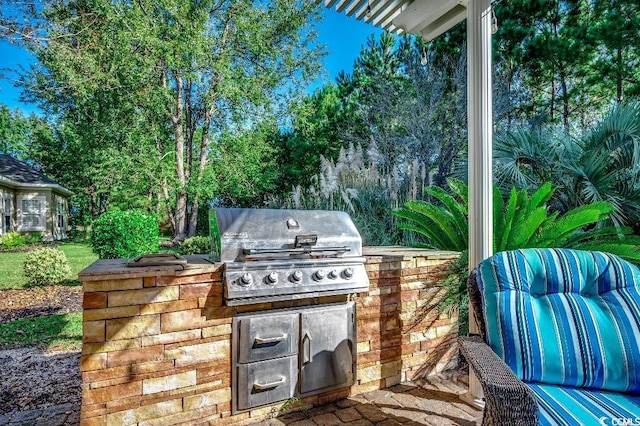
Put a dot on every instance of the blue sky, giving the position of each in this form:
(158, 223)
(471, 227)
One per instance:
(342, 36)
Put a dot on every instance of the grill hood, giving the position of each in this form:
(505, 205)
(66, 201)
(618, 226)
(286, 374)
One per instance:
(255, 234)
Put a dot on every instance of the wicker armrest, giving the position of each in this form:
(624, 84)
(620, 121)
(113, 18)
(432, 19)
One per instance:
(508, 401)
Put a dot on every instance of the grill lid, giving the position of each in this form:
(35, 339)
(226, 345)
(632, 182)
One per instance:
(256, 234)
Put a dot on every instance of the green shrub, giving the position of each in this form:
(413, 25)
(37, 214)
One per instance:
(124, 234)
(196, 245)
(520, 221)
(33, 238)
(12, 240)
(46, 266)
(77, 235)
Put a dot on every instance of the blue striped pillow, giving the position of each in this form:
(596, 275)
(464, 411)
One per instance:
(565, 317)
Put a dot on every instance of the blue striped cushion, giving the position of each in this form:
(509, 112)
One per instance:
(564, 317)
(559, 405)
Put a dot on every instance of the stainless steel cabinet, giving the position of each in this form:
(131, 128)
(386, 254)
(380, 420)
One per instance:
(327, 354)
(280, 354)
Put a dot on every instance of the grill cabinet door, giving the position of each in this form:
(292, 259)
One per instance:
(327, 348)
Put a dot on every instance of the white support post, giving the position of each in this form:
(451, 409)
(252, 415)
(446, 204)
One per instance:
(480, 133)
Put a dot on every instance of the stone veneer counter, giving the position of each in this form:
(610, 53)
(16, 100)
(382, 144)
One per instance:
(157, 340)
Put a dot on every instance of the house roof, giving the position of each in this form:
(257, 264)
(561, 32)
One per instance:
(16, 173)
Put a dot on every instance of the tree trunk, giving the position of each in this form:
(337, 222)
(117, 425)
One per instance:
(619, 67)
(553, 96)
(202, 163)
(564, 97)
(206, 141)
(167, 199)
(180, 232)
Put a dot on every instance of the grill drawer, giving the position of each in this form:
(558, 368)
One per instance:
(265, 382)
(267, 336)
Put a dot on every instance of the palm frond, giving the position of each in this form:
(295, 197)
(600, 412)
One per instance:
(575, 220)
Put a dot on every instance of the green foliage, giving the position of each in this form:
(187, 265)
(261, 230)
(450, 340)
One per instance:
(444, 227)
(11, 271)
(196, 245)
(245, 168)
(147, 92)
(77, 235)
(599, 166)
(33, 238)
(560, 61)
(53, 331)
(124, 234)
(46, 266)
(391, 105)
(12, 240)
(356, 184)
(14, 133)
(319, 122)
(522, 221)
(456, 296)
(80, 256)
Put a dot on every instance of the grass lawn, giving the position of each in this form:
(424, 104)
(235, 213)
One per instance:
(79, 255)
(54, 331)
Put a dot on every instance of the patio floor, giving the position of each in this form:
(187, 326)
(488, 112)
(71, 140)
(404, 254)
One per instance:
(432, 401)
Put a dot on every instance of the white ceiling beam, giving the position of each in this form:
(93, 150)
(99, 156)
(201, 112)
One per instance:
(387, 11)
(367, 10)
(443, 24)
(341, 5)
(431, 18)
(354, 6)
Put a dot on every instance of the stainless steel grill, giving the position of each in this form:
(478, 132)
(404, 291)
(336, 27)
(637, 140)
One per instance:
(273, 255)
(276, 255)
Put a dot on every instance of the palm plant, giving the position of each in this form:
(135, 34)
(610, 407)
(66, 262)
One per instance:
(602, 165)
(523, 221)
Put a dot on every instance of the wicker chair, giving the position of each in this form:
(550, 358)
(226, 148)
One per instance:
(508, 399)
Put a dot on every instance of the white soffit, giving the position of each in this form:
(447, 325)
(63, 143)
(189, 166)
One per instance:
(428, 18)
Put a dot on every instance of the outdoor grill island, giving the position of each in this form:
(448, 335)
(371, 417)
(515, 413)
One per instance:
(286, 255)
(295, 314)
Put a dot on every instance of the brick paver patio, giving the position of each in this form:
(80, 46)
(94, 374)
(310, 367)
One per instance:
(432, 401)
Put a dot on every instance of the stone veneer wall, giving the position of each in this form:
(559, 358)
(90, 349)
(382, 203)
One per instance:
(157, 342)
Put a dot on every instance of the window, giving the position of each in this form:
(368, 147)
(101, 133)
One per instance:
(60, 215)
(32, 213)
(6, 219)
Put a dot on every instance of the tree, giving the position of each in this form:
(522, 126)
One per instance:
(15, 130)
(320, 122)
(434, 117)
(616, 28)
(602, 165)
(544, 48)
(393, 106)
(187, 72)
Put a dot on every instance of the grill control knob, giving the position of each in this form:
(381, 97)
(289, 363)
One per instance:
(333, 274)
(272, 278)
(246, 279)
(296, 276)
(347, 273)
(319, 275)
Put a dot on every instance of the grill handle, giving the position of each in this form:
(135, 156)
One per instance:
(269, 340)
(306, 349)
(265, 386)
(300, 250)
